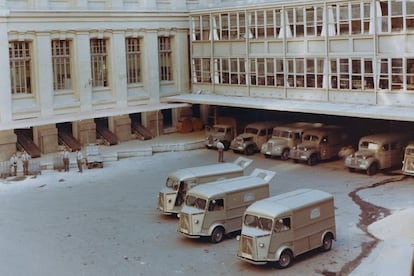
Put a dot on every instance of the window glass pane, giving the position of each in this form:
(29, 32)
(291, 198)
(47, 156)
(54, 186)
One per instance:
(133, 59)
(61, 65)
(20, 67)
(99, 63)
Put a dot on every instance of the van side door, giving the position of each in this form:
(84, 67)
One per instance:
(397, 153)
(215, 213)
(384, 156)
(282, 234)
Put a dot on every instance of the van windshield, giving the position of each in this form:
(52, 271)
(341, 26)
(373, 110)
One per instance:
(172, 183)
(409, 151)
(251, 130)
(220, 130)
(309, 137)
(258, 222)
(368, 145)
(281, 133)
(196, 202)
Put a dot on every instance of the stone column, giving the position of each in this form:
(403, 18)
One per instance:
(84, 131)
(44, 71)
(151, 74)
(8, 142)
(121, 127)
(181, 64)
(46, 138)
(153, 121)
(82, 69)
(119, 84)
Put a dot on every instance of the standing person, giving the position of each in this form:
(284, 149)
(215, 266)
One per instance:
(13, 164)
(220, 148)
(79, 158)
(25, 159)
(65, 157)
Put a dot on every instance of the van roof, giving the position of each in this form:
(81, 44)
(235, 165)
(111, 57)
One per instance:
(206, 170)
(322, 129)
(288, 202)
(298, 126)
(386, 137)
(265, 124)
(227, 185)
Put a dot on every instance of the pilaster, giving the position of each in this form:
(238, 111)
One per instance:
(82, 67)
(151, 74)
(44, 73)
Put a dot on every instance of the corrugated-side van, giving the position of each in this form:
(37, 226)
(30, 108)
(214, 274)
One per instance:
(171, 197)
(279, 228)
(216, 209)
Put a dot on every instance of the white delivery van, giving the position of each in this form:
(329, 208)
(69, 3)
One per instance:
(171, 197)
(279, 228)
(216, 208)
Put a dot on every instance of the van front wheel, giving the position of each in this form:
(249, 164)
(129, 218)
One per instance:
(217, 235)
(285, 259)
(373, 169)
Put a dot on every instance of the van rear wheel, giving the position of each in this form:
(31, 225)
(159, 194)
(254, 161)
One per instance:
(285, 259)
(217, 235)
(327, 243)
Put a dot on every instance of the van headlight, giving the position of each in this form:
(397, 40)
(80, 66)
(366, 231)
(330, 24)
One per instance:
(261, 245)
(196, 221)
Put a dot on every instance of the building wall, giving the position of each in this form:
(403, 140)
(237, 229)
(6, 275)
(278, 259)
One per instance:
(79, 22)
(354, 52)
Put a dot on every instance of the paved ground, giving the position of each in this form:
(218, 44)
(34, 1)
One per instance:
(88, 224)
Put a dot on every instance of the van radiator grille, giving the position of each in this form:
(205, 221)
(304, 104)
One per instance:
(269, 146)
(247, 245)
(184, 223)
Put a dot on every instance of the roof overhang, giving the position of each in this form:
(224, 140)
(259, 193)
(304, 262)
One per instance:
(326, 108)
(83, 115)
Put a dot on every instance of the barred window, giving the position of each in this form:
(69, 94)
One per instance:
(165, 56)
(61, 63)
(99, 56)
(133, 59)
(20, 67)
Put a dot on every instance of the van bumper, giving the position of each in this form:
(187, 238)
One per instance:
(188, 235)
(251, 261)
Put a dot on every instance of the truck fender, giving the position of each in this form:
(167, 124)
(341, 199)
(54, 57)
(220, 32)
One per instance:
(372, 160)
(281, 249)
(213, 226)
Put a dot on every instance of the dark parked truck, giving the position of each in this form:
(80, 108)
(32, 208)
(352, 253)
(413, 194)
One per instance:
(279, 228)
(320, 143)
(216, 209)
(253, 137)
(377, 152)
(285, 137)
(220, 133)
(172, 196)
